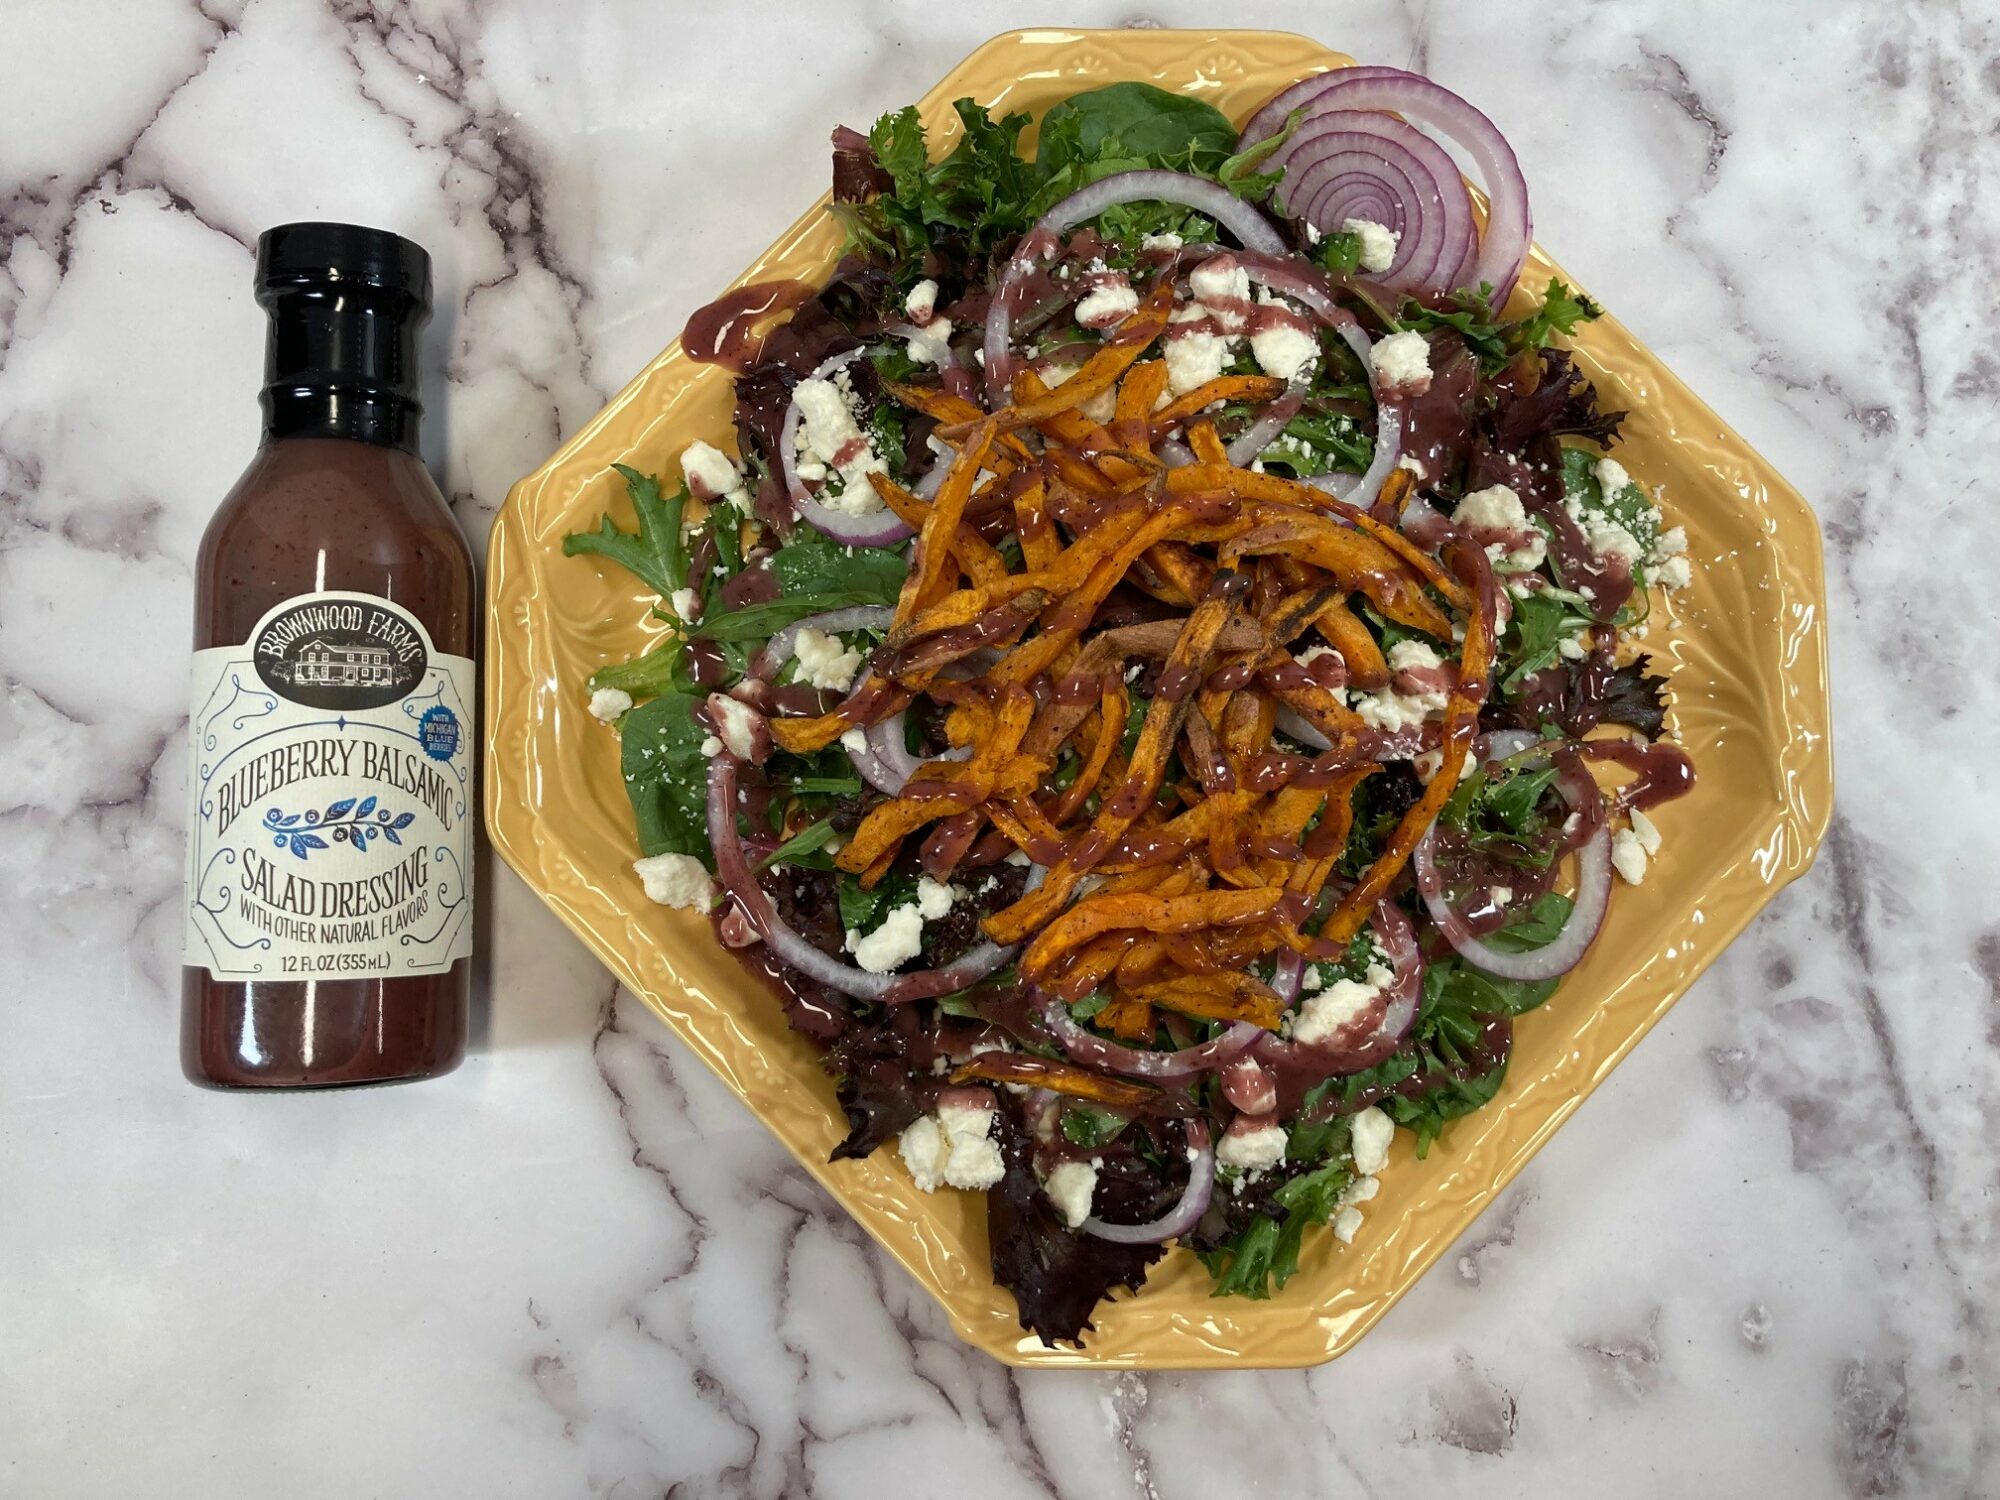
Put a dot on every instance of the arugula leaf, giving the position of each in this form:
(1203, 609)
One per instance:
(657, 551)
(1534, 637)
(801, 846)
(666, 775)
(1562, 311)
(758, 622)
(1087, 1125)
(1267, 1253)
(662, 669)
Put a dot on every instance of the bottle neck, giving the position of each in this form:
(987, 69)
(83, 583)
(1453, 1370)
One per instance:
(340, 361)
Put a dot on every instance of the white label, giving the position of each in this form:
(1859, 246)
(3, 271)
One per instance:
(330, 810)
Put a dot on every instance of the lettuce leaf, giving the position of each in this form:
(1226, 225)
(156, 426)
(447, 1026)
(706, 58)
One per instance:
(666, 775)
(656, 552)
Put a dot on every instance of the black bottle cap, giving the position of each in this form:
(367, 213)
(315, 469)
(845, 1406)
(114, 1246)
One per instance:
(340, 359)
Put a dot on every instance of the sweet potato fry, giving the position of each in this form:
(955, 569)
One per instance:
(1147, 912)
(1205, 395)
(1102, 370)
(1060, 1077)
(1213, 997)
(1126, 1016)
(1366, 666)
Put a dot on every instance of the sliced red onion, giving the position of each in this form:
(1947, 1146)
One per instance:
(1184, 1215)
(1174, 453)
(1295, 724)
(1289, 276)
(1249, 1086)
(778, 650)
(1503, 248)
(883, 528)
(733, 869)
(1361, 492)
(1086, 1046)
(1353, 164)
(1241, 219)
(1255, 438)
(1586, 917)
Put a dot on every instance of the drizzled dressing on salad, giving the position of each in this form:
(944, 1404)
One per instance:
(1127, 691)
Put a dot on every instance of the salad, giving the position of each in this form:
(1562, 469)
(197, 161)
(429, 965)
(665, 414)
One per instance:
(1136, 691)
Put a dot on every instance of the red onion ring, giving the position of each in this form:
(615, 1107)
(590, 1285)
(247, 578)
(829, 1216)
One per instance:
(778, 650)
(1085, 1046)
(1211, 198)
(1361, 492)
(1586, 917)
(1346, 164)
(1185, 1214)
(1255, 438)
(1272, 114)
(882, 528)
(1294, 724)
(733, 869)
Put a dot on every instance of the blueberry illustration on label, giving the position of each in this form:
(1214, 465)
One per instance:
(438, 730)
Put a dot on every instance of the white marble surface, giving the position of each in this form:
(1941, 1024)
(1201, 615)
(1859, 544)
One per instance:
(1762, 1261)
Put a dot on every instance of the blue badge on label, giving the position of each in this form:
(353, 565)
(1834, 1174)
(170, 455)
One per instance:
(438, 730)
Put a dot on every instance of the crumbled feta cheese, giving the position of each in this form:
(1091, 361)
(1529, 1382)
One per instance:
(1502, 894)
(855, 741)
(921, 302)
(1194, 357)
(1337, 1004)
(1498, 508)
(1312, 979)
(1608, 539)
(1413, 656)
(953, 1148)
(812, 469)
(1371, 1131)
(1347, 1216)
(608, 703)
(1070, 1187)
(1346, 1224)
(1674, 573)
(1628, 856)
(1645, 831)
(1378, 242)
(676, 880)
(1220, 278)
(711, 747)
(687, 604)
(934, 898)
(1284, 349)
(1402, 363)
(1389, 710)
(1100, 408)
(1160, 242)
(898, 940)
(735, 722)
(1312, 654)
(1572, 648)
(835, 438)
(1107, 306)
(824, 662)
(1611, 477)
(1252, 1150)
(934, 348)
(709, 472)
(1017, 857)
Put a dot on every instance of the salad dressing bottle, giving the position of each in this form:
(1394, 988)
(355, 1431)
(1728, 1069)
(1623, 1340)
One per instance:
(328, 931)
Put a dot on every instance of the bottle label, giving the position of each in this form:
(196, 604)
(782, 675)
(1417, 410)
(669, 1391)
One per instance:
(331, 807)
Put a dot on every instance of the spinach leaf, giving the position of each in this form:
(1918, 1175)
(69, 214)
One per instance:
(1267, 1253)
(657, 551)
(666, 775)
(814, 564)
(1087, 1125)
(758, 622)
(1535, 928)
(803, 848)
(660, 670)
(1135, 121)
(1629, 506)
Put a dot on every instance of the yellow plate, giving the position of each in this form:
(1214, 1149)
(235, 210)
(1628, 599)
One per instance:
(1746, 653)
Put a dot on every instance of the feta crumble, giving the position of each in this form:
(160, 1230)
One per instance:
(921, 302)
(713, 475)
(1284, 349)
(833, 437)
(1371, 1131)
(736, 723)
(1337, 1004)
(900, 937)
(1194, 356)
(1378, 242)
(1107, 306)
(953, 1148)
(1160, 242)
(1498, 508)
(676, 880)
(1402, 363)
(686, 603)
(608, 703)
(1628, 856)
(1070, 1187)
(1645, 831)
(823, 661)
(1252, 1150)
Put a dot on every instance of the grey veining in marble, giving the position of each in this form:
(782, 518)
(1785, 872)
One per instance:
(1762, 1261)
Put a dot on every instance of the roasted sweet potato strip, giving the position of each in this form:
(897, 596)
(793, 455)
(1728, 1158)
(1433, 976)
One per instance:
(1126, 1016)
(1047, 1073)
(1461, 722)
(955, 411)
(1275, 487)
(1110, 729)
(1355, 559)
(1142, 780)
(1102, 370)
(928, 576)
(1040, 546)
(1366, 666)
(1146, 912)
(870, 703)
(1214, 997)
(1138, 394)
(1206, 443)
(1222, 388)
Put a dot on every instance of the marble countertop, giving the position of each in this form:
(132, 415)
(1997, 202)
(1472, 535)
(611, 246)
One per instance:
(1762, 1260)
